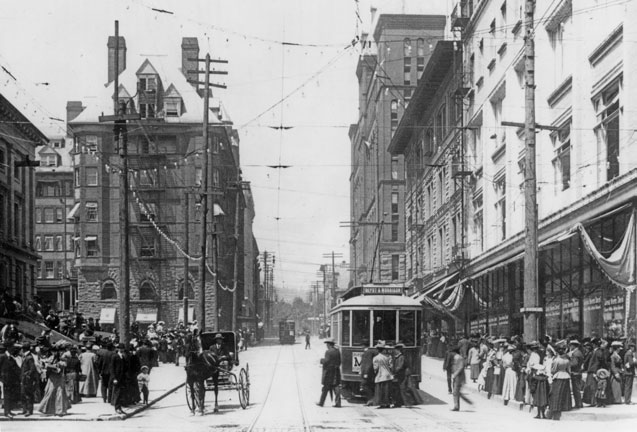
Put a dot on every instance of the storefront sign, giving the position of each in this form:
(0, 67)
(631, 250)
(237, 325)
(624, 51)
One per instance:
(382, 289)
(592, 303)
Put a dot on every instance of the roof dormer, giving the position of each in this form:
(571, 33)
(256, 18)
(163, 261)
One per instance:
(148, 86)
(173, 102)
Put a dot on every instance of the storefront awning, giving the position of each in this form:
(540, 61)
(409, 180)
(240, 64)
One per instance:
(191, 314)
(107, 315)
(73, 211)
(434, 288)
(90, 238)
(146, 315)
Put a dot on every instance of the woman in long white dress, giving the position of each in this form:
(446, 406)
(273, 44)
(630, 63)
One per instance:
(88, 387)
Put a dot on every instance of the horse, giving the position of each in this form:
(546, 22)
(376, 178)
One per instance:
(200, 367)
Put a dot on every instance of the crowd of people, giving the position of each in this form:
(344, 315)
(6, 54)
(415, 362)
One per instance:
(55, 376)
(546, 375)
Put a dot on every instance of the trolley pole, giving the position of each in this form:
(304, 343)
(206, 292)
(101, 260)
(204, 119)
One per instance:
(531, 309)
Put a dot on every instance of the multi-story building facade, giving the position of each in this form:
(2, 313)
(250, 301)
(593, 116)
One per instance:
(165, 160)
(18, 257)
(389, 67)
(55, 278)
(585, 169)
(430, 138)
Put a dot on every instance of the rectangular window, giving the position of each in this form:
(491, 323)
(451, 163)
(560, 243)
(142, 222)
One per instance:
(91, 176)
(609, 112)
(147, 110)
(148, 83)
(59, 214)
(148, 212)
(49, 161)
(76, 177)
(91, 211)
(147, 177)
(394, 227)
(562, 158)
(48, 243)
(499, 187)
(3, 161)
(49, 215)
(38, 270)
(91, 144)
(478, 227)
(394, 202)
(59, 246)
(49, 269)
(38, 243)
(172, 107)
(38, 215)
(407, 71)
(198, 175)
(91, 246)
(360, 327)
(394, 168)
(441, 125)
(395, 273)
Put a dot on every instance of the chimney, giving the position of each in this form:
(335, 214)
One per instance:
(373, 13)
(111, 57)
(189, 56)
(73, 109)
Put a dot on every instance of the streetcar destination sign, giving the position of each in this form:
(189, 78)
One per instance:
(383, 289)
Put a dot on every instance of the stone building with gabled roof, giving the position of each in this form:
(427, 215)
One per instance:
(166, 154)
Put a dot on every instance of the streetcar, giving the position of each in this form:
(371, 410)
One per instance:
(287, 332)
(373, 312)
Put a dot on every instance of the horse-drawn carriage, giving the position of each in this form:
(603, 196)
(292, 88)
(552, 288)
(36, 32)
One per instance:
(213, 370)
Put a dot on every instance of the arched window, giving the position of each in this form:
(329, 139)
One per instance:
(146, 291)
(189, 290)
(108, 291)
(407, 47)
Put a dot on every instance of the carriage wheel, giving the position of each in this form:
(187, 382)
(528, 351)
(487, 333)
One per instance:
(189, 398)
(244, 389)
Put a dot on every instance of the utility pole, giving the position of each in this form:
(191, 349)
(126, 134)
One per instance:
(206, 203)
(531, 309)
(120, 132)
(333, 287)
(237, 207)
(186, 261)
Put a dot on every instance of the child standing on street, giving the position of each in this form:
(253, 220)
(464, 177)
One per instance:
(142, 381)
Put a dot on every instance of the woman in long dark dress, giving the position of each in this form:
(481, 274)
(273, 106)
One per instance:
(55, 400)
(560, 397)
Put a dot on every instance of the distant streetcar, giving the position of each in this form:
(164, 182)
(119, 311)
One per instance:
(287, 332)
(373, 312)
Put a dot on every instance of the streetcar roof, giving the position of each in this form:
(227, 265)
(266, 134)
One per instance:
(380, 301)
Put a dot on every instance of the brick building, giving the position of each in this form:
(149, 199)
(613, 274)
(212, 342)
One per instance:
(388, 70)
(165, 161)
(18, 257)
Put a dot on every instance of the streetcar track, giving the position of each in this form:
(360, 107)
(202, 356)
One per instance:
(267, 395)
(306, 424)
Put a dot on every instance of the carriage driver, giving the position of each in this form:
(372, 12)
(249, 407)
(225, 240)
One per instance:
(220, 352)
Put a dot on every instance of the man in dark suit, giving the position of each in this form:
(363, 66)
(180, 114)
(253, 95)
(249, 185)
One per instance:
(630, 361)
(367, 372)
(10, 376)
(29, 379)
(118, 378)
(331, 378)
(104, 363)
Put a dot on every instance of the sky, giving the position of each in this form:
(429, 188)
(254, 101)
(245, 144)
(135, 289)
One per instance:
(55, 51)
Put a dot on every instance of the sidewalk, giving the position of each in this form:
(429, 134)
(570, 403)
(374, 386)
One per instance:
(432, 373)
(164, 380)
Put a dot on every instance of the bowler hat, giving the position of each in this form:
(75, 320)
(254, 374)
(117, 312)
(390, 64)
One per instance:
(399, 345)
(218, 336)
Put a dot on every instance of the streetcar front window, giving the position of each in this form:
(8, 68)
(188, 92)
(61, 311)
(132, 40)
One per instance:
(407, 329)
(345, 329)
(385, 326)
(360, 328)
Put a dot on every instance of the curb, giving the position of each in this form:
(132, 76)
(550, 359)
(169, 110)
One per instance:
(103, 417)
